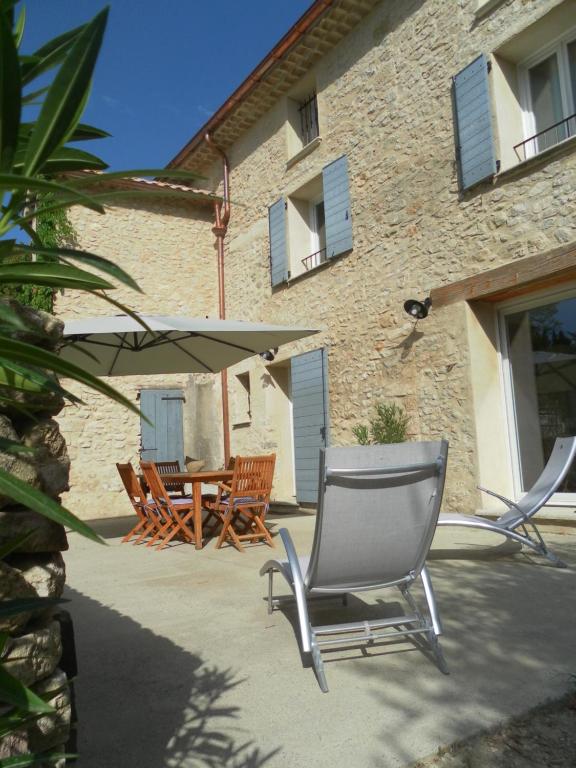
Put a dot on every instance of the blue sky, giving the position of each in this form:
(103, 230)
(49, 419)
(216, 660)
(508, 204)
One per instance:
(165, 66)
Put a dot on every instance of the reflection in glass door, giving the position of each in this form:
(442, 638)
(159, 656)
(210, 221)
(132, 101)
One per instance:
(539, 345)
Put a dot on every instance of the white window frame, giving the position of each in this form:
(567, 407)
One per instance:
(509, 308)
(559, 47)
(314, 224)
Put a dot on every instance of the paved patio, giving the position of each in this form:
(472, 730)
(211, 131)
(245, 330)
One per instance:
(180, 664)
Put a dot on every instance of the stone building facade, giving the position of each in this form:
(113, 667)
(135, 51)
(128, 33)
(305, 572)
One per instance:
(490, 367)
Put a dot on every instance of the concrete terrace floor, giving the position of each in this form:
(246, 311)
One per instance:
(180, 664)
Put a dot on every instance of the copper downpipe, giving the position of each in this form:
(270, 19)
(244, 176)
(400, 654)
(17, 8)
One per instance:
(222, 217)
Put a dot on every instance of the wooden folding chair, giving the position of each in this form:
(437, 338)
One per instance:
(243, 511)
(210, 502)
(172, 486)
(145, 508)
(174, 513)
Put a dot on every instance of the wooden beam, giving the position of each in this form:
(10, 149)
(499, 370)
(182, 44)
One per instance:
(513, 279)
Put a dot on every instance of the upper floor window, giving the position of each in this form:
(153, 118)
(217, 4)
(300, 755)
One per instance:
(302, 118)
(308, 110)
(311, 225)
(518, 102)
(549, 95)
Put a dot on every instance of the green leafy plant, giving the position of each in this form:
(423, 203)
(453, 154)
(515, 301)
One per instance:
(42, 175)
(390, 425)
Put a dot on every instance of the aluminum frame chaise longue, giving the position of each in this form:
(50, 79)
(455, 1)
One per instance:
(520, 513)
(377, 512)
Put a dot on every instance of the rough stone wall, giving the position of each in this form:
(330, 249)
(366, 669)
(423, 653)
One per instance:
(385, 101)
(35, 568)
(168, 248)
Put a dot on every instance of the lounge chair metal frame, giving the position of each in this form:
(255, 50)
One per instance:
(379, 486)
(519, 514)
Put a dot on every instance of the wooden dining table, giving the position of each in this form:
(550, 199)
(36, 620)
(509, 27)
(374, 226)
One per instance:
(196, 479)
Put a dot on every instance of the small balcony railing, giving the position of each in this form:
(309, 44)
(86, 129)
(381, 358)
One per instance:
(547, 138)
(315, 259)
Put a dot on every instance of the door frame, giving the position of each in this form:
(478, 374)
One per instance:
(511, 306)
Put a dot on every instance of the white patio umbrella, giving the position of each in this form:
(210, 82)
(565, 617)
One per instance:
(122, 347)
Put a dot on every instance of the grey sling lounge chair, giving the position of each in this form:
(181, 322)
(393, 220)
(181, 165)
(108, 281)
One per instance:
(520, 513)
(377, 511)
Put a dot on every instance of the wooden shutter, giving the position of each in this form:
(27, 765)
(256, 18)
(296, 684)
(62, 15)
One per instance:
(277, 231)
(163, 440)
(309, 382)
(473, 130)
(337, 207)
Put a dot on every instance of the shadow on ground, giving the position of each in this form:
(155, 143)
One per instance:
(146, 703)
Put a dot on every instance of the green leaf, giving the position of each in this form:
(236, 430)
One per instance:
(14, 720)
(9, 318)
(10, 102)
(5, 550)
(13, 692)
(14, 448)
(21, 761)
(22, 379)
(30, 98)
(84, 132)
(49, 55)
(56, 118)
(19, 27)
(55, 275)
(37, 501)
(25, 604)
(90, 259)
(11, 181)
(64, 160)
(28, 354)
(167, 173)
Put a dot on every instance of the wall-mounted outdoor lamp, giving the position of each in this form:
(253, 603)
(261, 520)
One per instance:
(269, 355)
(418, 309)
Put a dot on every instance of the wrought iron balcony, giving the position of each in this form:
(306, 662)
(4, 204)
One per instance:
(547, 138)
(315, 259)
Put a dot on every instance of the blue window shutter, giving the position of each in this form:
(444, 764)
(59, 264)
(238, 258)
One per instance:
(277, 231)
(337, 207)
(163, 440)
(309, 393)
(473, 129)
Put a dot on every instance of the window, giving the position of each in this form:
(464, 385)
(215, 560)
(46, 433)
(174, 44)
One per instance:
(533, 87)
(302, 120)
(549, 98)
(539, 359)
(313, 224)
(306, 228)
(308, 111)
(241, 404)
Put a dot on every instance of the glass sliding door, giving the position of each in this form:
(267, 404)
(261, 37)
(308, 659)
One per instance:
(539, 357)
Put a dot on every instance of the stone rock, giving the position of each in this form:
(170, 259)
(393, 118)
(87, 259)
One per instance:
(45, 330)
(46, 574)
(49, 403)
(35, 655)
(25, 576)
(46, 732)
(46, 536)
(50, 730)
(20, 467)
(50, 460)
(13, 585)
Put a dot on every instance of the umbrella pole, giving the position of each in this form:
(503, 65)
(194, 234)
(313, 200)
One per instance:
(222, 216)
